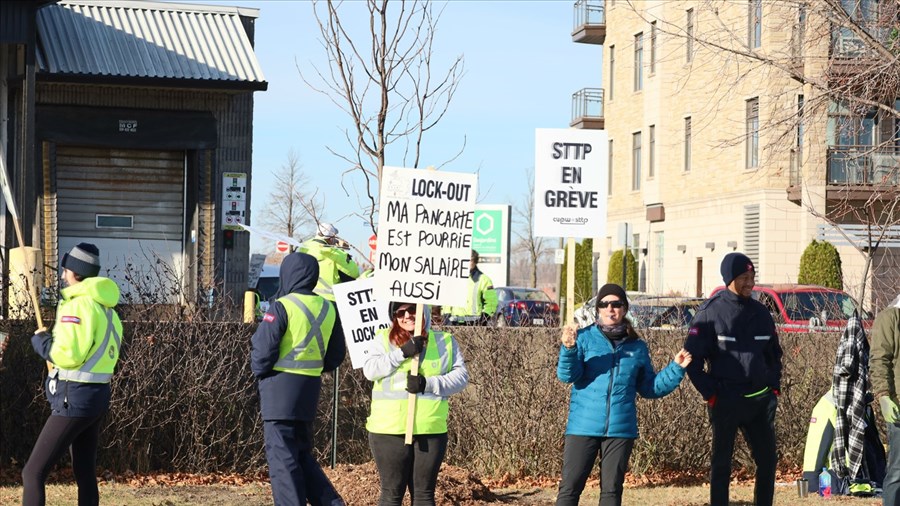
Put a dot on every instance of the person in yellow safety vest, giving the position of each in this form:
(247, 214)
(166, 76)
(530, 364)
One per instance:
(84, 349)
(442, 373)
(481, 299)
(335, 264)
(294, 344)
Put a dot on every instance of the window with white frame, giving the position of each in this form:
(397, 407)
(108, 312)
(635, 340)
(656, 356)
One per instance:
(636, 161)
(752, 132)
(638, 62)
(754, 23)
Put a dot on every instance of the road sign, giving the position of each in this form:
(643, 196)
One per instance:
(282, 247)
(372, 241)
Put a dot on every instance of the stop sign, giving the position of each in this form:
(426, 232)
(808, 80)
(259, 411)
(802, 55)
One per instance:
(282, 247)
(372, 241)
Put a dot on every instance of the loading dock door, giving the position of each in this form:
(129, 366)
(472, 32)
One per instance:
(130, 203)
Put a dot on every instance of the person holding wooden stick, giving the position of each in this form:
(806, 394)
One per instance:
(84, 350)
(442, 372)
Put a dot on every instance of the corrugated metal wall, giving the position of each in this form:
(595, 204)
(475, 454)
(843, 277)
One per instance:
(233, 112)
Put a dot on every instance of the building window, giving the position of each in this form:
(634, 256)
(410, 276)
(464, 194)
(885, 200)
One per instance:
(609, 170)
(897, 123)
(651, 153)
(754, 24)
(653, 35)
(638, 62)
(612, 72)
(689, 33)
(800, 126)
(687, 144)
(752, 133)
(636, 161)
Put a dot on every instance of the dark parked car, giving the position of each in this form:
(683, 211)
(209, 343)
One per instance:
(524, 307)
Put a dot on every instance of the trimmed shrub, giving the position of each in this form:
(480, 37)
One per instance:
(584, 272)
(614, 273)
(821, 265)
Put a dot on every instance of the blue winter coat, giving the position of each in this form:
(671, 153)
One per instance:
(606, 381)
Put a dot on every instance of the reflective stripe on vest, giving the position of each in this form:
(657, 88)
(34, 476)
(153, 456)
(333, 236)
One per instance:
(83, 374)
(324, 289)
(315, 332)
(394, 386)
(474, 308)
(390, 400)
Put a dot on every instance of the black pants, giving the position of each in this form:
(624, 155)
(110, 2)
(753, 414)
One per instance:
(58, 434)
(579, 456)
(295, 474)
(414, 467)
(755, 417)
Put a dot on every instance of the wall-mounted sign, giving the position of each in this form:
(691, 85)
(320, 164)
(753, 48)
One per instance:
(234, 200)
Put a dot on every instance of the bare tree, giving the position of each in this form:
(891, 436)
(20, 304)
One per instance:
(384, 78)
(533, 248)
(290, 210)
(843, 58)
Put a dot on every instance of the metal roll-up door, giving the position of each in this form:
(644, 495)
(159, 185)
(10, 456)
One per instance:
(130, 203)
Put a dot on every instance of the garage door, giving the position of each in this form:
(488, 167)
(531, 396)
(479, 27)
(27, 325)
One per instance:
(130, 203)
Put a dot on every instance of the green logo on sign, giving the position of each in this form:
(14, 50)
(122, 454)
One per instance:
(487, 232)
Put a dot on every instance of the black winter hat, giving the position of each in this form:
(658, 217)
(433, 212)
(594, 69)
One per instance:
(735, 264)
(612, 289)
(83, 259)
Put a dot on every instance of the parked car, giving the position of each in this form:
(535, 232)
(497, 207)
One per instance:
(522, 307)
(808, 307)
(267, 285)
(663, 312)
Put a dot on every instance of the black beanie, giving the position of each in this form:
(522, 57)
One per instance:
(735, 264)
(612, 289)
(83, 259)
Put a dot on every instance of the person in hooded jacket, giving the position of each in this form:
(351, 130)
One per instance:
(608, 364)
(83, 349)
(296, 341)
(442, 372)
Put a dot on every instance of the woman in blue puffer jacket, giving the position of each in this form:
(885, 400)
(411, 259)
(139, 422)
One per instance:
(608, 364)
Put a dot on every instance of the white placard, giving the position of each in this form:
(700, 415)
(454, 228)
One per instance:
(570, 182)
(256, 264)
(361, 317)
(234, 200)
(425, 221)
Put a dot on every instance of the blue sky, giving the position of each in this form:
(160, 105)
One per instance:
(521, 70)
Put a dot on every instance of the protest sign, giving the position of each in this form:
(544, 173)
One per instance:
(361, 317)
(570, 182)
(425, 224)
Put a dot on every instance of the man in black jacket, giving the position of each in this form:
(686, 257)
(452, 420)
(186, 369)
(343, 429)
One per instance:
(734, 336)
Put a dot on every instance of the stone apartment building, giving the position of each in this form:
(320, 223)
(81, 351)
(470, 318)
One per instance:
(727, 133)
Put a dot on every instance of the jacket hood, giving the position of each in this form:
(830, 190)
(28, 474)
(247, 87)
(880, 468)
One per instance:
(104, 291)
(299, 273)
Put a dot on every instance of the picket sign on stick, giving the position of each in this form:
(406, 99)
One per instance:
(414, 367)
(11, 206)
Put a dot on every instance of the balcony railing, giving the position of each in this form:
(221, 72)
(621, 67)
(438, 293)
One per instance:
(587, 109)
(864, 165)
(590, 22)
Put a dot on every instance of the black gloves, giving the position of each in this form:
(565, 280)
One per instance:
(415, 384)
(414, 346)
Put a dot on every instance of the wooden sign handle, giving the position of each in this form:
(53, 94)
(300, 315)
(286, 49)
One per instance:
(411, 402)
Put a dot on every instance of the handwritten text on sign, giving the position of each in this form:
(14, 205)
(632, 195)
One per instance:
(425, 235)
(570, 182)
(361, 317)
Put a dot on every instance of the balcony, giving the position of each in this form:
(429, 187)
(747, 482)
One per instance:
(856, 172)
(587, 109)
(590, 22)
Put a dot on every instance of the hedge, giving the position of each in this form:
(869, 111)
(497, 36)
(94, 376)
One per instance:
(185, 400)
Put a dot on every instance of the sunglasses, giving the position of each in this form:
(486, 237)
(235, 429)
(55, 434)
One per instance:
(400, 313)
(616, 304)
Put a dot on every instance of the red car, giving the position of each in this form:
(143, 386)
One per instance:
(808, 307)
